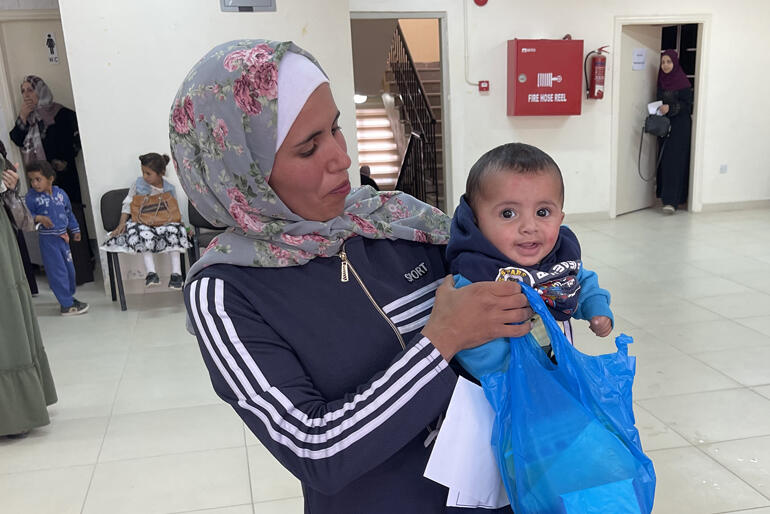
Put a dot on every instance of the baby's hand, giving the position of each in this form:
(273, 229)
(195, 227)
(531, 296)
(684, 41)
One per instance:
(601, 326)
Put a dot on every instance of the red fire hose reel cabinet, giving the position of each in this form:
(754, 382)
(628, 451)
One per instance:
(545, 77)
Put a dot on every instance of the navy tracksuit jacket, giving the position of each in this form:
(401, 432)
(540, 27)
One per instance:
(316, 368)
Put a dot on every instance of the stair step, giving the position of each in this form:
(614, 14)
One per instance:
(376, 146)
(429, 74)
(369, 134)
(384, 157)
(387, 184)
(432, 86)
(383, 169)
(362, 112)
(373, 122)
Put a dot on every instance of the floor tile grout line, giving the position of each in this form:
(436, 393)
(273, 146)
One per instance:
(701, 447)
(209, 509)
(747, 386)
(170, 454)
(682, 435)
(129, 413)
(702, 451)
(259, 502)
(743, 511)
(677, 395)
(107, 427)
(248, 466)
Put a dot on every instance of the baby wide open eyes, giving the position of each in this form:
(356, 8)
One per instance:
(542, 212)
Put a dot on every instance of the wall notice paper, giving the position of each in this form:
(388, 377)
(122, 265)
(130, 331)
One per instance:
(639, 59)
(462, 457)
(652, 107)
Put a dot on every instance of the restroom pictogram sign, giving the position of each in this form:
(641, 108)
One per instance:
(545, 77)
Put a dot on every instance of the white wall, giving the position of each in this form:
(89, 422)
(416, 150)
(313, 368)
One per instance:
(123, 94)
(127, 60)
(735, 130)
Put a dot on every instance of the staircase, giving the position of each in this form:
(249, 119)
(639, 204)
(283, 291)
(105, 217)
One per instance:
(376, 144)
(430, 75)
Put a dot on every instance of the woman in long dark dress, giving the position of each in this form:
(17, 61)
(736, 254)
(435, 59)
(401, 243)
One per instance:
(675, 90)
(46, 130)
(26, 383)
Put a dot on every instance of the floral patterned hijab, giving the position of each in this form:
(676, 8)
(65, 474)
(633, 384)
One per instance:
(38, 120)
(223, 139)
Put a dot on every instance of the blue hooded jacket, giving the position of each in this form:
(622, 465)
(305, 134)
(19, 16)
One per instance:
(472, 258)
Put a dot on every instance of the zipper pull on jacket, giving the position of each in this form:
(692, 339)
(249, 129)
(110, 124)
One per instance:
(344, 269)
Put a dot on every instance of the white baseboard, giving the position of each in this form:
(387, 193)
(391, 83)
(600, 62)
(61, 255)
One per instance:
(736, 206)
(586, 216)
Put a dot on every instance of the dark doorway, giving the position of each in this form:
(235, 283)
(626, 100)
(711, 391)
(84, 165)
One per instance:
(683, 39)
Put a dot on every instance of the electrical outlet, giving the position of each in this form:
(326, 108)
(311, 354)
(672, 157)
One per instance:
(723, 168)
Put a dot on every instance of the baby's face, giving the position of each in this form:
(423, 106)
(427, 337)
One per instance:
(521, 214)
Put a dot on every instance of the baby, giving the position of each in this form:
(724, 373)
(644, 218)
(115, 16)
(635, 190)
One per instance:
(508, 227)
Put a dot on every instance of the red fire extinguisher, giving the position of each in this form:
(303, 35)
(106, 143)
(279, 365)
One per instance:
(595, 84)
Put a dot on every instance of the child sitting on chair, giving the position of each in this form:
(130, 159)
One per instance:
(131, 236)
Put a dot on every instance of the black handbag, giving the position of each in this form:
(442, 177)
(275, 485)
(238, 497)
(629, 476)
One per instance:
(659, 126)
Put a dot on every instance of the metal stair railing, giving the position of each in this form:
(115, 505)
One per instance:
(418, 175)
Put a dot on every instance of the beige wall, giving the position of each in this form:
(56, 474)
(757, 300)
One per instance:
(123, 109)
(371, 41)
(127, 61)
(24, 53)
(422, 37)
(22, 39)
(735, 131)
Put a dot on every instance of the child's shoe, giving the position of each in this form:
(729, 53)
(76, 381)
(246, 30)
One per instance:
(175, 282)
(75, 309)
(669, 209)
(152, 279)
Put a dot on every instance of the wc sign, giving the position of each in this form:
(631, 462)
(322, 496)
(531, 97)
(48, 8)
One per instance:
(51, 49)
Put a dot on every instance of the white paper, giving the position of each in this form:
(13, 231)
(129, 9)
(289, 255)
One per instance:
(462, 457)
(639, 59)
(652, 107)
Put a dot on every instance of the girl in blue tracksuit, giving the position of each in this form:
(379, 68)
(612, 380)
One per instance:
(323, 313)
(51, 208)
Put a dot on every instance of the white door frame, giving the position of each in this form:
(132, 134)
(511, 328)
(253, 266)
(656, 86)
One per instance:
(5, 87)
(445, 93)
(695, 203)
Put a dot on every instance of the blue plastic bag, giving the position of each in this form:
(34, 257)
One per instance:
(564, 435)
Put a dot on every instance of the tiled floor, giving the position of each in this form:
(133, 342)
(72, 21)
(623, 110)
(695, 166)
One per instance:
(138, 430)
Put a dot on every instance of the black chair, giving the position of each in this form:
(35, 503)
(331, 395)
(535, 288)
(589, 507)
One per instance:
(200, 239)
(111, 204)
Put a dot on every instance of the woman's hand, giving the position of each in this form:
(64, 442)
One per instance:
(119, 229)
(44, 220)
(663, 109)
(26, 108)
(10, 179)
(58, 164)
(474, 314)
(76, 236)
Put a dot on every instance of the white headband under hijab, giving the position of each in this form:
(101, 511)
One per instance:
(298, 77)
